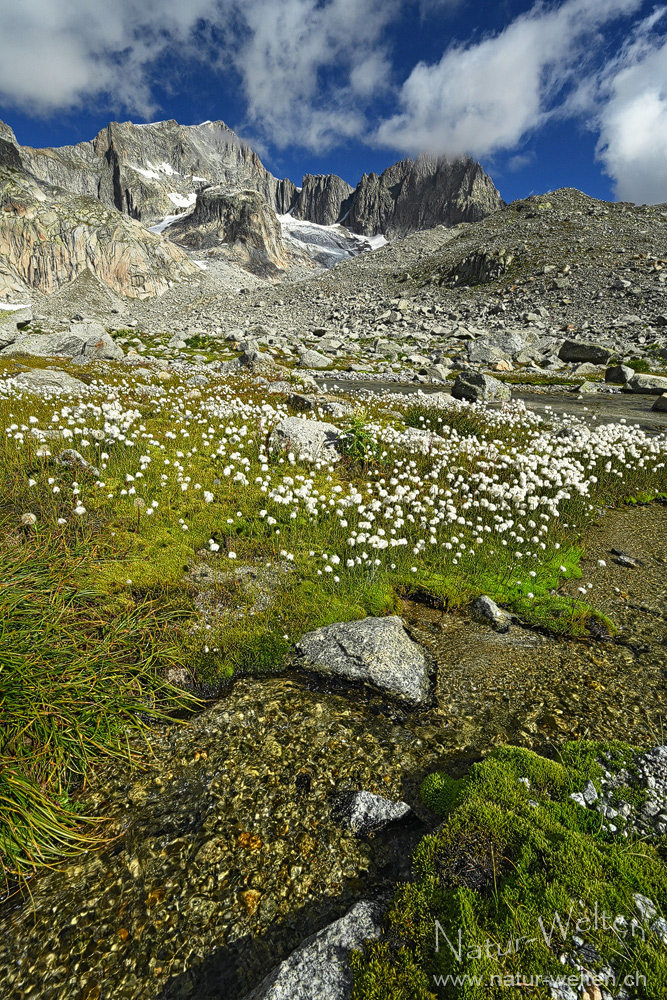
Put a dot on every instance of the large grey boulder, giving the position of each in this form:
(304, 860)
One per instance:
(373, 651)
(483, 352)
(364, 813)
(313, 359)
(14, 316)
(574, 350)
(649, 385)
(97, 343)
(83, 341)
(512, 341)
(40, 380)
(319, 969)
(475, 387)
(499, 346)
(487, 611)
(310, 440)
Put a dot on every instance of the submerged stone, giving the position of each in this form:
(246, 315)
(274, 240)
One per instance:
(366, 813)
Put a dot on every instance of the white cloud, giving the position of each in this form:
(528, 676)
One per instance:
(292, 54)
(521, 160)
(60, 53)
(487, 96)
(308, 68)
(632, 120)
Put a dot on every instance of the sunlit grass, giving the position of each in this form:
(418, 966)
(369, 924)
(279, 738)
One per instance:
(98, 600)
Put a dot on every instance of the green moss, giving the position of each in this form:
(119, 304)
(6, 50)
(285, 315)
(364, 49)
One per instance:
(638, 365)
(513, 851)
(440, 792)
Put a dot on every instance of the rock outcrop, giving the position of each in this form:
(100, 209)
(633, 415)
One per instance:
(241, 219)
(84, 342)
(49, 237)
(420, 194)
(151, 171)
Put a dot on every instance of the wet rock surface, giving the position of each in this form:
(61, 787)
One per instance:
(228, 854)
(366, 813)
(320, 966)
(375, 651)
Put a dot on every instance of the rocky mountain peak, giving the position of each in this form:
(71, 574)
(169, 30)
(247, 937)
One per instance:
(422, 193)
(152, 171)
(324, 198)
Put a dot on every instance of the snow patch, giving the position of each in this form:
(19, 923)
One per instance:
(200, 264)
(160, 226)
(153, 172)
(181, 200)
(326, 244)
(12, 308)
(145, 173)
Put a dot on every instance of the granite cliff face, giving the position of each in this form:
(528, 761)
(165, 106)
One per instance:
(324, 198)
(50, 236)
(151, 171)
(88, 206)
(408, 196)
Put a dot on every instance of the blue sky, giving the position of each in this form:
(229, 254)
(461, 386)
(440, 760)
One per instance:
(545, 95)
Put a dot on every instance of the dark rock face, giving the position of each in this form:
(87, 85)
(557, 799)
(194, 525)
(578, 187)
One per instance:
(241, 219)
(481, 267)
(324, 198)
(420, 194)
(9, 150)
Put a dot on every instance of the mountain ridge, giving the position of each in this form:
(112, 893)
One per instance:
(148, 171)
